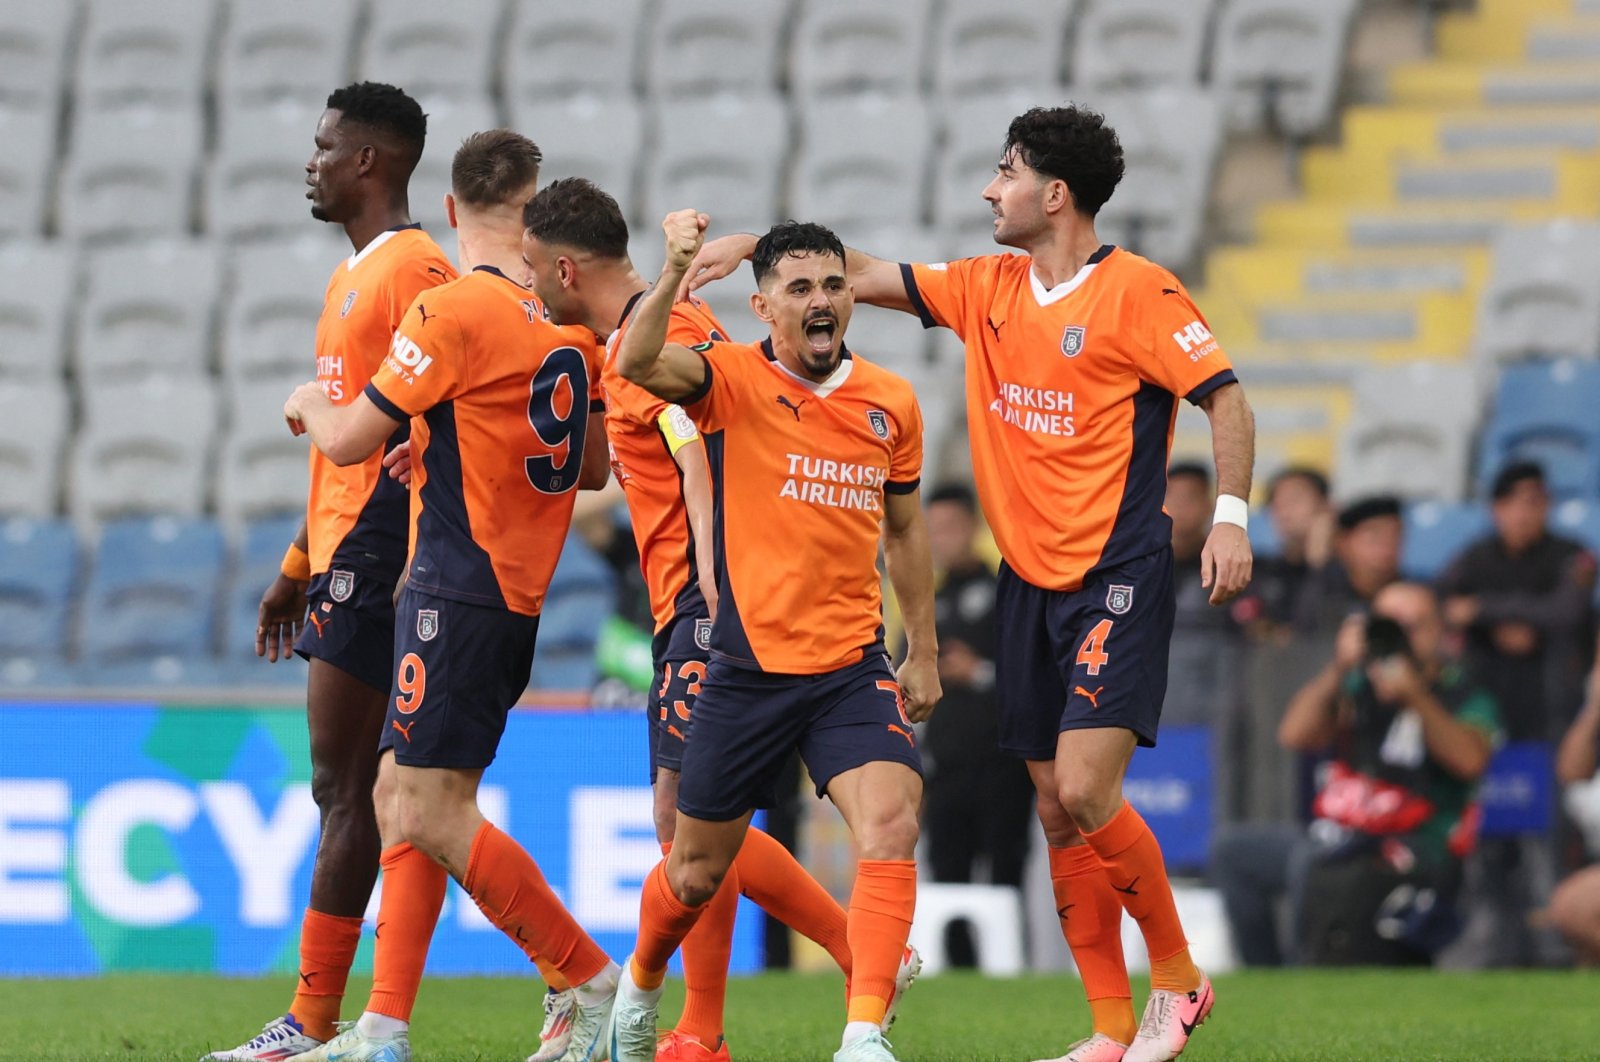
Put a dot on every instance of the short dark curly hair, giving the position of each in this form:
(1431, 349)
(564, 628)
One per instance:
(492, 167)
(1071, 144)
(574, 212)
(384, 109)
(792, 237)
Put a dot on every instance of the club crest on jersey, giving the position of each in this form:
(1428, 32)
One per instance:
(427, 624)
(349, 301)
(341, 584)
(702, 633)
(1072, 341)
(879, 421)
(1119, 599)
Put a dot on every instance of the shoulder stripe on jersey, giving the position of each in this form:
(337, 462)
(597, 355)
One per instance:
(704, 389)
(388, 408)
(893, 487)
(1221, 379)
(910, 280)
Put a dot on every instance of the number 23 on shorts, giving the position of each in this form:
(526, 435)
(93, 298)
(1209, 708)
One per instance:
(1092, 653)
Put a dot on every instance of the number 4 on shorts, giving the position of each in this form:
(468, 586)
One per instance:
(1092, 653)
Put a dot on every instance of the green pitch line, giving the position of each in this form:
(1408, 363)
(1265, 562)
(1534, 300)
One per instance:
(1314, 1016)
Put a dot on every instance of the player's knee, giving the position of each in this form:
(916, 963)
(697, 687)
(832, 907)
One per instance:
(384, 796)
(889, 832)
(1059, 829)
(696, 881)
(1088, 805)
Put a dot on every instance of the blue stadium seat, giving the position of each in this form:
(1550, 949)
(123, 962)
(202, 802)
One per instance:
(1578, 519)
(1263, 535)
(38, 566)
(259, 558)
(1435, 532)
(1546, 413)
(569, 670)
(153, 591)
(581, 567)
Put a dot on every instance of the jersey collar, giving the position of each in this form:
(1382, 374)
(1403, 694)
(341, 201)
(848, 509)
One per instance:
(823, 388)
(378, 241)
(1048, 296)
(633, 300)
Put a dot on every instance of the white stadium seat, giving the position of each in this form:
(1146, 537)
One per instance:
(34, 39)
(25, 170)
(1410, 433)
(144, 448)
(296, 51)
(983, 47)
(725, 160)
(559, 50)
(975, 135)
(844, 46)
(149, 310)
(1134, 43)
(433, 50)
(270, 320)
(1280, 60)
(256, 181)
(261, 470)
(1542, 298)
(702, 47)
(145, 53)
(861, 160)
(33, 429)
(587, 136)
(130, 174)
(38, 283)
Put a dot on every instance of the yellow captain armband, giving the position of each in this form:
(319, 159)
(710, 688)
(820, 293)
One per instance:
(296, 564)
(676, 428)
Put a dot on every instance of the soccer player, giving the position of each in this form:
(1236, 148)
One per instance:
(815, 459)
(1077, 354)
(502, 404)
(576, 245)
(350, 551)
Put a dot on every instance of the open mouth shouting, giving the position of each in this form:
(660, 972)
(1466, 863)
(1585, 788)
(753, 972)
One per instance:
(820, 328)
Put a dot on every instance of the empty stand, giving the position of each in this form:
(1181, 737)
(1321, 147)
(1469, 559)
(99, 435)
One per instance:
(1171, 141)
(1543, 297)
(294, 51)
(557, 50)
(153, 591)
(1409, 433)
(1436, 532)
(1133, 43)
(256, 565)
(130, 174)
(983, 47)
(26, 170)
(38, 285)
(588, 136)
(1546, 413)
(256, 182)
(145, 53)
(145, 448)
(33, 432)
(270, 320)
(38, 573)
(149, 309)
(975, 134)
(846, 46)
(434, 51)
(703, 47)
(34, 40)
(861, 161)
(722, 156)
(1279, 62)
(261, 468)
(582, 595)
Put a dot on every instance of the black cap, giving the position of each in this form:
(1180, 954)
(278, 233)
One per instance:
(1361, 510)
(1506, 480)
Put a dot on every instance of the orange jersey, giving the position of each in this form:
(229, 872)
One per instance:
(1071, 397)
(643, 446)
(356, 516)
(798, 472)
(501, 400)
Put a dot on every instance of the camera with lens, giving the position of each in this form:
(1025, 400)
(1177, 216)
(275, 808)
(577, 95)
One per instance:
(1387, 639)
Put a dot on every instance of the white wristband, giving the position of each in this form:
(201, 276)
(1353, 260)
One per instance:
(1231, 510)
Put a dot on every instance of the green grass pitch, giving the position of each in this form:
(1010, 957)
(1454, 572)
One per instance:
(1274, 1017)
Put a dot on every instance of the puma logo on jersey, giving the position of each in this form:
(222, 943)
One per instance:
(1094, 698)
(995, 328)
(441, 273)
(783, 400)
(1169, 291)
(912, 741)
(405, 731)
(422, 311)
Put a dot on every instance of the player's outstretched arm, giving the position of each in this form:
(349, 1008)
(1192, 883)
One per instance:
(910, 564)
(876, 282)
(644, 356)
(346, 435)
(1226, 561)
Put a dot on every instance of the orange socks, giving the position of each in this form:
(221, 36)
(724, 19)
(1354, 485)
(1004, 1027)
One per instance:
(1091, 920)
(1133, 863)
(507, 886)
(413, 892)
(706, 951)
(779, 885)
(664, 921)
(327, 948)
(881, 907)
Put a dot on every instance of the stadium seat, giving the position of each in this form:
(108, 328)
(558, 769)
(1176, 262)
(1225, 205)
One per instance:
(152, 591)
(449, 123)
(1436, 533)
(292, 51)
(33, 430)
(1546, 413)
(38, 282)
(38, 569)
(1578, 518)
(560, 50)
(1542, 298)
(136, 320)
(582, 594)
(974, 135)
(729, 167)
(588, 136)
(1171, 141)
(981, 48)
(563, 670)
(1409, 434)
(895, 340)
(34, 38)
(145, 53)
(1278, 62)
(270, 318)
(25, 171)
(256, 181)
(145, 448)
(255, 566)
(705, 47)
(850, 46)
(1140, 43)
(130, 174)
(261, 469)
(861, 160)
(436, 52)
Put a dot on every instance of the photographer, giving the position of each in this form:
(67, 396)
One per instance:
(1373, 881)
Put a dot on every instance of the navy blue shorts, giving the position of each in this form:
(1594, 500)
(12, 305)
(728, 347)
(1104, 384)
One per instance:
(681, 653)
(351, 625)
(746, 723)
(1083, 659)
(458, 671)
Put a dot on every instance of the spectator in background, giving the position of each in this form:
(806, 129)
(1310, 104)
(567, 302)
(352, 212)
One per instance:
(1206, 641)
(1574, 909)
(1373, 880)
(1366, 552)
(1303, 521)
(979, 800)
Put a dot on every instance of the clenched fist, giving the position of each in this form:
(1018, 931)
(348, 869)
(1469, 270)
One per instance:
(686, 231)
